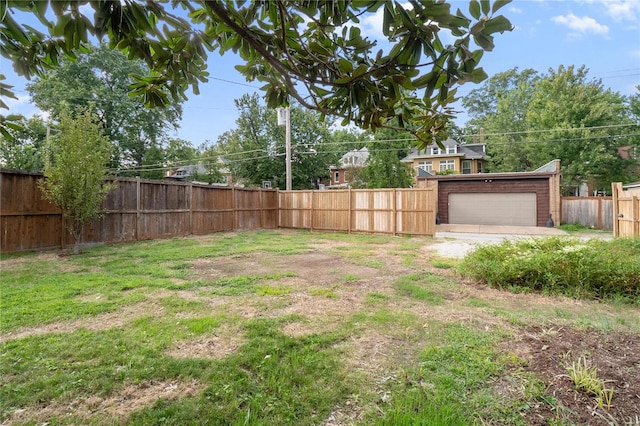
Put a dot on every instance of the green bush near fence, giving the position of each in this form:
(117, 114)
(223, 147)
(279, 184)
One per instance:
(592, 269)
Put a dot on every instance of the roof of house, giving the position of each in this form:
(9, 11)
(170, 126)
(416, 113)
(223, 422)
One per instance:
(192, 168)
(466, 151)
(550, 169)
(189, 170)
(552, 166)
(355, 157)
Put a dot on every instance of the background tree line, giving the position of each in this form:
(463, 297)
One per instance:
(526, 118)
(530, 118)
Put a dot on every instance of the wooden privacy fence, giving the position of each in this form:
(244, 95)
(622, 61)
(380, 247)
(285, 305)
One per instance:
(596, 212)
(626, 212)
(385, 211)
(135, 210)
(141, 210)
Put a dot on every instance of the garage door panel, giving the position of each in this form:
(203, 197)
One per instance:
(515, 209)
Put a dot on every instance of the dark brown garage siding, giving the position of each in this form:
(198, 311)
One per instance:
(539, 186)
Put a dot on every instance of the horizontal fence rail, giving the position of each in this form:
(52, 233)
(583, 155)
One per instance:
(594, 212)
(141, 210)
(135, 210)
(380, 211)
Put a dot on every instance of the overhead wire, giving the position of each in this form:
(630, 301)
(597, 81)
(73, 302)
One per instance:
(212, 160)
(485, 135)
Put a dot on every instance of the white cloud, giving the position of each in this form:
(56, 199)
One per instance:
(515, 10)
(621, 10)
(582, 25)
(45, 115)
(371, 25)
(17, 103)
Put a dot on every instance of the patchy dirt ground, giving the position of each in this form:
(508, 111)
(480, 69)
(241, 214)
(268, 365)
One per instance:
(328, 287)
(120, 405)
(548, 353)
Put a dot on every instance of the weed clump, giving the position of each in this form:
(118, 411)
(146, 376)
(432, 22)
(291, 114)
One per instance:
(593, 269)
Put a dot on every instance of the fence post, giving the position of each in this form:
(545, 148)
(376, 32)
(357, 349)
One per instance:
(350, 201)
(138, 205)
(599, 213)
(636, 216)
(312, 200)
(261, 209)
(234, 208)
(395, 212)
(190, 208)
(63, 234)
(616, 208)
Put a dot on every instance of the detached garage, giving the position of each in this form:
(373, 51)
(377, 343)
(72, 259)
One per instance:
(511, 199)
(494, 209)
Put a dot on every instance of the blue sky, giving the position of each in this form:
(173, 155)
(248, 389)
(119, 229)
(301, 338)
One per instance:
(603, 35)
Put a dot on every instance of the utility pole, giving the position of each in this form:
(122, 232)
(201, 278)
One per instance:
(286, 121)
(288, 145)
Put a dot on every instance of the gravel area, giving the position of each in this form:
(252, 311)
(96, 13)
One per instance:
(458, 244)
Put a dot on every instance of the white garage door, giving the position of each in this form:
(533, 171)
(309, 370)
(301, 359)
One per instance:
(515, 209)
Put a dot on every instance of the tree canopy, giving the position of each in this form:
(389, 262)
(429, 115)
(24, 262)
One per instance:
(102, 78)
(255, 150)
(384, 168)
(310, 52)
(530, 119)
(24, 149)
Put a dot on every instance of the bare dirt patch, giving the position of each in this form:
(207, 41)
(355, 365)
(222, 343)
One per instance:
(60, 260)
(615, 355)
(217, 346)
(119, 405)
(19, 260)
(93, 323)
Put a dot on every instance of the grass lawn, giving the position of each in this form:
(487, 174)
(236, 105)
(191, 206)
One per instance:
(289, 328)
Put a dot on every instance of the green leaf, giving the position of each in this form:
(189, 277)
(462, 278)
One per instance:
(361, 70)
(477, 55)
(406, 19)
(15, 30)
(478, 75)
(40, 8)
(344, 65)
(437, 10)
(477, 27)
(319, 91)
(498, 4)
(423, 81)
(497, 24)
(59, 7)
(387, 17)
(474, 9)
(486, 6)
(484, 41)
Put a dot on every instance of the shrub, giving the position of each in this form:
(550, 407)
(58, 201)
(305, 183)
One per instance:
(559, 265)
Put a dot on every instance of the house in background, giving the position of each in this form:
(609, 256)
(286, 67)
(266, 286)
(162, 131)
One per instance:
(186, 173)
(452, 158)
(353, 159)
(183, 173)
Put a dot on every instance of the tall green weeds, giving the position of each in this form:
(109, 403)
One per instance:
(558, 265)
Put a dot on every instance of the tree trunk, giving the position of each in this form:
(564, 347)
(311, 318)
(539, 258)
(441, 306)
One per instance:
(77, 236)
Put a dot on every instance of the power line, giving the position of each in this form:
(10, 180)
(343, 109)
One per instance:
(261, 157)
(611, 126)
